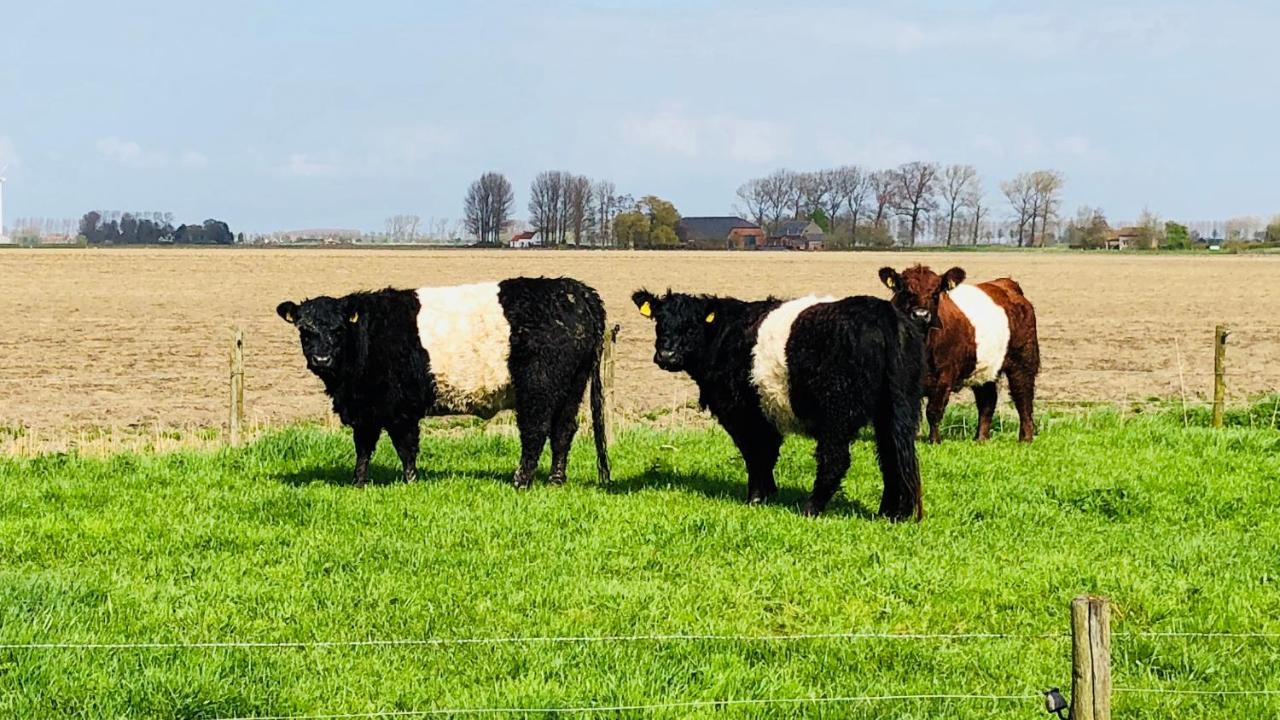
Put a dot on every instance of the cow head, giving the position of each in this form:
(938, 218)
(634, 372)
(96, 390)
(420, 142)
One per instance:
(329, 330)
(684, 323)
(917, 290)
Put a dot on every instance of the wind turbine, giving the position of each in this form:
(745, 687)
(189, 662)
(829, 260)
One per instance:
(2, 178)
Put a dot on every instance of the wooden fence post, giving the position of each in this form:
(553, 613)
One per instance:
(606, 378)
(1090, 658)
(1219, 373)
(235, 422)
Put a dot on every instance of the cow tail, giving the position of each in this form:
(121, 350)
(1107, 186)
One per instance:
(597, 417)
(897, 422)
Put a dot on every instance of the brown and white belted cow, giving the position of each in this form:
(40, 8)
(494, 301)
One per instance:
(976, 333)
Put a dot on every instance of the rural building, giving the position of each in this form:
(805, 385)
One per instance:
(798, 235)
(526, 239)
(729, 232)
(1124, 238)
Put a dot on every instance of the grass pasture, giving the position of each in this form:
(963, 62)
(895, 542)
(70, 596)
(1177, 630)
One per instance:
(269, 543)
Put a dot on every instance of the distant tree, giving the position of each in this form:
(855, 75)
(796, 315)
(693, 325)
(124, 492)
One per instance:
(1021, 193)
(631, 229)
(1176, 236)
(577, 198)
(403, 228)
(1046, 186)
(852, 186)
(957, 187)
(1150, 231)
(883, 185)
(605, 206)
(916, 183)
(1089, 229)
(487, 208)
(1273, 230)
(546, 205)
(754, 200)
(89, 225)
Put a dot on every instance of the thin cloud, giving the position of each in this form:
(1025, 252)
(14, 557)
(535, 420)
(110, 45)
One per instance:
(673, 130)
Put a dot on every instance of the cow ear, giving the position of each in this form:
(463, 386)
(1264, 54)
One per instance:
(952, 278)
(646, 302)
(890, 278)
(288, 310)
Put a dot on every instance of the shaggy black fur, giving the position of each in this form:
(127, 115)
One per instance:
(557, 335)
(850, 362)
(366, 349)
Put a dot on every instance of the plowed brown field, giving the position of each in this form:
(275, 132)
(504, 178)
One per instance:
(139, 338)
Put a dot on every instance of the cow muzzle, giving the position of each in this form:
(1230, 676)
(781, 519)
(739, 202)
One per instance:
(922, 314)
(322, 361)
(667, 360)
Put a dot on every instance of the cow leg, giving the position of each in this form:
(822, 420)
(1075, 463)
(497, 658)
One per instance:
(937, 407)
(366, 439)
(564, 425)
(759, 444)
(406, 437)
(1022, 388)
(534, 423)
(985, 396)
(832, 455)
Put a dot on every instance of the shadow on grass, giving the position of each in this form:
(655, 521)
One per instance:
(790, 499)
(381, 475)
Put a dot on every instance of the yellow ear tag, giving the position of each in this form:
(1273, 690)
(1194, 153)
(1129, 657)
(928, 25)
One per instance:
(288, 316)
(711, 318)
(645, 310)
(888, 282)
(951, 285)
(355, 317)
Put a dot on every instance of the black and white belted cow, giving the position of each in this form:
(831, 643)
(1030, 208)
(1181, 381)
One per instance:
(816, 366)
(390, 357)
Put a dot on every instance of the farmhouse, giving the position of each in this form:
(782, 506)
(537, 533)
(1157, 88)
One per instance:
(1124, 238)
(526, 239)
(729, 232)
(798, 235)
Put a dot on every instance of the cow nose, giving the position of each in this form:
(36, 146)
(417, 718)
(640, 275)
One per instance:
(664, 356)
(921, 313)
(321, 359)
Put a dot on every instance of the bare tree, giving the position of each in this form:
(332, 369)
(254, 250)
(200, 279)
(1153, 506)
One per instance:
(546, 205)
(487, 209)
(884, 189)
(1046, 186)
(777, 189)
(1021, 193)
(754, 200)
(604, 209)
(956, 187)
(578, 201)
(825, 195)
(915, 189)
(980, 211)
(852, 185)
(403, 228)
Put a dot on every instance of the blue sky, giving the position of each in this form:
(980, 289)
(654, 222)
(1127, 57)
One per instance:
(275, 115)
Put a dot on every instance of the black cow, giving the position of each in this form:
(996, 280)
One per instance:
(816, 366)
(391, 357)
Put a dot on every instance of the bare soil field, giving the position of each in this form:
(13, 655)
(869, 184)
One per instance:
(133, 338)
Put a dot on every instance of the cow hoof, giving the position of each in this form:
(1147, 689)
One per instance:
(556, 479)
(811, 510)
(758, 498)
(521, 483)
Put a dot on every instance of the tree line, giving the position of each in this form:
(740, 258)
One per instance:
(150, 228)
(570, 209)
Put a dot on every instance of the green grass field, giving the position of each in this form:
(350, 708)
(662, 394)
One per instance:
(268, 543)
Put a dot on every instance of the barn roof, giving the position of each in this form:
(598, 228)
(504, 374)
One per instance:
(714, 226)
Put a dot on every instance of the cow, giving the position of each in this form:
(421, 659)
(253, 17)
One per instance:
(820, 367)
(389, 358)
(976, 333)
